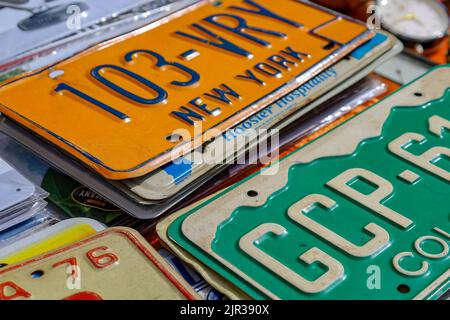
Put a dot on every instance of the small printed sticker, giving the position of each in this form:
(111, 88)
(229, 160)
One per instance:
(87, 197)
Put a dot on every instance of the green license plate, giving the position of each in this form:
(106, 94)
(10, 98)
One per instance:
(362, 212)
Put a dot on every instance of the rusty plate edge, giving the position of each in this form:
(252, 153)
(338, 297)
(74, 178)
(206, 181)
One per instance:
(210, 276)
(137, 240)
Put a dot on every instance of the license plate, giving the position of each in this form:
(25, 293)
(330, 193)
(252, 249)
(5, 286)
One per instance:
(235, 175)
(38, 222)
(39, 23)
(14, 188)
(405, 67)
(112, 24)
(125, 198)
(203, 288)
(191, 76)
(96, 268)
(359, 213)
(20, 214)
(325, 117)
(51, 238)
(214, 279)
(174, 176)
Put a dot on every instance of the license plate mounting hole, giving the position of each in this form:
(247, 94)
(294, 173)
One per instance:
(252, 193)
(403, 288)
(37, 274)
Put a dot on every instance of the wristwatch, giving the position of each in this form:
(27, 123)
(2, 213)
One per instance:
(417, 21)
(421, 24)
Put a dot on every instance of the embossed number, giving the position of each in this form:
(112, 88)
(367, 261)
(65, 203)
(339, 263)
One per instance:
(425, 160)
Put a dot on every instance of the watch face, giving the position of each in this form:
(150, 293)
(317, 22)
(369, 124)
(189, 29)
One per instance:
(415, 20)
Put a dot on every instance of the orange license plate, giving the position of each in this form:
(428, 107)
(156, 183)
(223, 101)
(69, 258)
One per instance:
(195, 73)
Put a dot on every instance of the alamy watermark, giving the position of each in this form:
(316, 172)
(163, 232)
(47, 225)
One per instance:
(374, 17)
(75, 15)
(374, 277)
(73, 281)
(235, 146)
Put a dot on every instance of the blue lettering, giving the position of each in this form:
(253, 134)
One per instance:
(186, 116)
(247, 125)
(161, 94)
(219, 42)
(221, 94)
(269, 70)
(289, 98)
(162, 62)
(116, 113)
(251, 76)
(197, 103)
(242, 27)
(333, 72)
(266, 13)
(295, 54)
(282, 61)
(315, 82)
(303, 91)
(281, 103)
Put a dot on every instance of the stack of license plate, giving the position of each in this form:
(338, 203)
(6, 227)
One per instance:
(20, 201)
(145, 119)
(149, 119)
(359, 213)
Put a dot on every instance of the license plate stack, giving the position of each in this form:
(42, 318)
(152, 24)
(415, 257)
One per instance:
(151, 118)
(21, 200)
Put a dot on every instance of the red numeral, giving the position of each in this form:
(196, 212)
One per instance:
(101, 260)
(70, 261)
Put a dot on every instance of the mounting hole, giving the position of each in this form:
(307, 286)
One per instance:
(252, 193)
(18, 189)
(418, 94)
(56, 73)
(403, 288)
(329, 46)
(174, 137)
(2, 265)
(37, 274)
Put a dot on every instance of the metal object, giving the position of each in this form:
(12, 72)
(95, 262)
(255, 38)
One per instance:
(405, 67)
(139, 207)
(208, 274)
(342, 204)
(173, 177)
(418, 21)
(126, 107)
(51, 16)
(96, 268)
